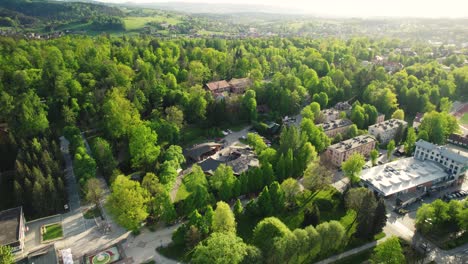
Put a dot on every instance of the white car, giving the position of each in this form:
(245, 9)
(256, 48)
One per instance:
(225, 133)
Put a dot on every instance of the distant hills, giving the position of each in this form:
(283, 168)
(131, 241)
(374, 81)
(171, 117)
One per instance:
(31, 12)
(216, 8)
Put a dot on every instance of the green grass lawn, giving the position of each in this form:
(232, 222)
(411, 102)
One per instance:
(464, 119)
(182, 193)
(136, 23)
(52, 231)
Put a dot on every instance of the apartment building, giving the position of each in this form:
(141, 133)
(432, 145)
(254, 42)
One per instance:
(332, 128)
(454, 160)
(387, 130)
(329, 115)
(340, 152)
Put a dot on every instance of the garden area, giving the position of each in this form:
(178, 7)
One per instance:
(51, 232)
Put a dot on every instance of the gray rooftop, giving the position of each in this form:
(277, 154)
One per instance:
(388, 124)
(402, 174)
(10, 225)
(336, 124)
(352, 143)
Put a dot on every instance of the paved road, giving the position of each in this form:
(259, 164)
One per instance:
(142, 248)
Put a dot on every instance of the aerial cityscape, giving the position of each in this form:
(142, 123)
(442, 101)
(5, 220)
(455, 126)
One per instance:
(233, 132)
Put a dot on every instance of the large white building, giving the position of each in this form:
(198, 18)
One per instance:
(387, 130)
(431, 166)
(403, 176)
(455, 161)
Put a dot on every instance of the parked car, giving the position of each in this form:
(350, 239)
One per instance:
(225, 133)
(229, 131)
(380, 162)
(243, 137)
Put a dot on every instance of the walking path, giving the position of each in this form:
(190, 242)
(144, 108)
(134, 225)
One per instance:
(352, 251)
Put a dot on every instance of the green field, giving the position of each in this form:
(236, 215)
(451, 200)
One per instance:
(52, 231)
(136, 23)
(464, 119)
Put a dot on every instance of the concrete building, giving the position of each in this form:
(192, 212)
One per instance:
(454, 160)
(340, 152)
(387, 130)
(12, 228)
(332, 128)
(329, 115)
(404, 176)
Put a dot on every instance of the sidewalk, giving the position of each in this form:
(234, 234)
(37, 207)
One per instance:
(352, 251)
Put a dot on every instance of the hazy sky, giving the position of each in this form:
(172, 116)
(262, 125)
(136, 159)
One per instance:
(411, 8)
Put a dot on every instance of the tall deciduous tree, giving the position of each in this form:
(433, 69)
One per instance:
(410, 142)
(389, 252)
(220, 248)
(144, 151)
(374, 154)
(352, 167)
(223, 219)
(119, 115)
(128, 203)
(316, 176)
(94, 191)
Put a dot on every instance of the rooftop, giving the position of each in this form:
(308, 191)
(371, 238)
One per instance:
(451, 152)
(402, 174)
(352, 143)
(242, 82)
(198, 150)
(343, 106)
(388, 124)
(213, 86)
(336, 124)
(330, 111)
(44, 255)
(10, 225)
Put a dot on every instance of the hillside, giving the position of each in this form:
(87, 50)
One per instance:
(52, 14)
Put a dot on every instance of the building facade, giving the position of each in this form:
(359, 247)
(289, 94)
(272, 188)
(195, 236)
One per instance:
(340, 126)
(455, 161)
(387, 130)
(340, 152)
(12, 229)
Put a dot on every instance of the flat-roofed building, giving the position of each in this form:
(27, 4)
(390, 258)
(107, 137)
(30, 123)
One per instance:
(328, 115)
(454, 160)
(404, 176)
(12, 228)
(458, 140)
(387, 130)
(340, 126)
(340, 152)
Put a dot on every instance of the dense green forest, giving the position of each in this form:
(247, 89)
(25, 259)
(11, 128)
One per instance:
(140, 100)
